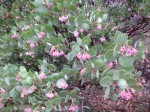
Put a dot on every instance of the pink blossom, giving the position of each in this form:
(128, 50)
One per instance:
(2, 91)
(14, 36)
(32, 45)
(73, 108)
(132, 90)
(102, 39)
(36, 24)
(76, 34)
(129, 51)
(31, 89)
(62, 85)
(27, 109)
(1, 103)
(31, 53)
(99, 26)
(41, 35)
(83, 56)
(24, 92)
(50, 95)
(41, 76)
(18, 77)
(82, 70)
(55, 52)
(110, 64)
(63, 18)
(138, 84)
(81, 30)
(125, 95)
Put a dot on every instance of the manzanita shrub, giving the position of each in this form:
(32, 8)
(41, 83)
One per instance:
(56, 46)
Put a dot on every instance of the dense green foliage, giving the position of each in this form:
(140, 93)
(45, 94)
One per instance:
(50, 48)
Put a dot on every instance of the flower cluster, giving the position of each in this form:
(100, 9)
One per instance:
(129, 51)
(125, 95)
(28, 109)
(61, 83)
(63, 18)
(41, 35)
(14, 36)
(82, 71)
(27, 91)
(83, 56)
(55, 52)
(41, 76)
(30, 53)
(50, 95)
(73, 108)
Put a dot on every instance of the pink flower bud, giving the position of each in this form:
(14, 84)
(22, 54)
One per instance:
(32, 45)
(24, 92)
(82, 71)
(73, 108)
(1, 103)
(63, 18)
(50, 95)
(102, 39)
(2, 91)
(28, 109)
(99, 26)
(110, 64)
(76, 34)
(41, 76)
(41, 35)
(14, 36)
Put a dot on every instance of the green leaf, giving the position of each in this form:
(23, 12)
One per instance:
(73, 7)
(12, 92)
(70, 56)
(131, 81)
(42, 10)
(86, 40)
(116, 75)
(85, 26)
(75, 49)
(122, 84)
(80, 19)
(29, 80)
(7, 81)
(120, 38)
(106, 81)
(107, 92)
(109, 55)
(104, 17)
(116, 49)
(126, 61)
(92, 52)
(138, 88)
(79, 41)
(52, 67)
(57, 100)
(49, 104)
(38, 3)
(23, 69)
(73, 92)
